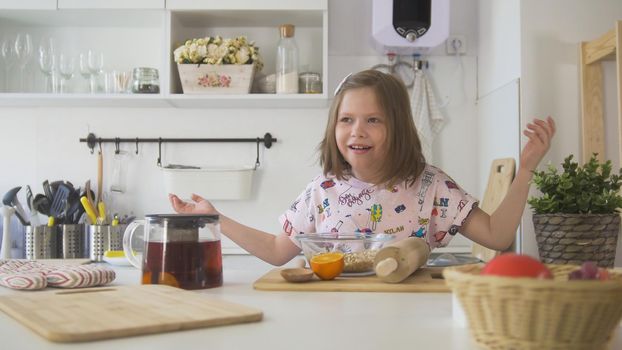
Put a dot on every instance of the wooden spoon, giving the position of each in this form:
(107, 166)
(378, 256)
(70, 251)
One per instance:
(297, 275)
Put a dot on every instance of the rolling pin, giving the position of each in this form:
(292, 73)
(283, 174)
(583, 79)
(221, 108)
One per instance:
(395, 262)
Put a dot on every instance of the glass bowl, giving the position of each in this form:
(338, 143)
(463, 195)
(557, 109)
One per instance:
(359, 249)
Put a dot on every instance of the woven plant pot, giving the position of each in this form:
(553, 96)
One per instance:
(576, 238)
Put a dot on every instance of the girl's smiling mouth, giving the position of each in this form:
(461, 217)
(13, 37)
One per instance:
(360, 148)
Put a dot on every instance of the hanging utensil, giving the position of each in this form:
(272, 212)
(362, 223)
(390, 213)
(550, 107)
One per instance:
(10, 199)
(100, 175)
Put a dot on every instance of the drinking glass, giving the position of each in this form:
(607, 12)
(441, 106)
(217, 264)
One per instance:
(23, 50)
(96, 66)
(7, 52)
(47, 65)
(84, 70)
(66, 68)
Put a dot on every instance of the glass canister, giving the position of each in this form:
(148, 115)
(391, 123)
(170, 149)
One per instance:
(310, 83)
(145, 81)
(287, 61)
(178, 250)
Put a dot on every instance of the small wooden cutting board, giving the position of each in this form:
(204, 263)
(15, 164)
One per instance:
(113, 312)
(424, 280)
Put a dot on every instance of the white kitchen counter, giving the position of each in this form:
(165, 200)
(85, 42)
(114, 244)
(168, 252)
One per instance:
(292, 320)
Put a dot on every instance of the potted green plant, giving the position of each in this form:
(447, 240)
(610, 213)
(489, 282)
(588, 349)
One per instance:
(576, 219)
(217, 65)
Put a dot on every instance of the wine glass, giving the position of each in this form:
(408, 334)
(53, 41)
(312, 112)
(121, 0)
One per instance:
(47, 63)
(84, 69)
(7, 52)
(23, 50)
(66, 68)
(96, 66)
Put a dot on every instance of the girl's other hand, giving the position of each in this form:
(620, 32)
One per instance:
(199, 205)
(540, 132)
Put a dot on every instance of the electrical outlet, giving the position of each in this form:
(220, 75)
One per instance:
(456, 44)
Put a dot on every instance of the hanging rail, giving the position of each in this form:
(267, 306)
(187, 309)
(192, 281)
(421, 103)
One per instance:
(92, 140)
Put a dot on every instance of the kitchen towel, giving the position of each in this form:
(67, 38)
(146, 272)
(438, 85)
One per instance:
(428, 118)
(32, 275)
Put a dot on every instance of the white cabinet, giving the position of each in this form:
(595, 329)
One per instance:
(144, 33)
(27, 4)
(111, 4)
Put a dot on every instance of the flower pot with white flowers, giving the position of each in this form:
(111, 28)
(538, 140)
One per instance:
(577, 218)
(213, 65)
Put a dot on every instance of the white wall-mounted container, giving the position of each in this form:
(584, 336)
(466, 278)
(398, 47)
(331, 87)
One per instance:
(212, 183)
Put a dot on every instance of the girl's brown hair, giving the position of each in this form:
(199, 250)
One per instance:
(404, 161)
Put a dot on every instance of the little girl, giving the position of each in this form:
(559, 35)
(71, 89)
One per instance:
(375, 179)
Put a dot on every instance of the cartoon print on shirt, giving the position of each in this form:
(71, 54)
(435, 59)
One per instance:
(400, 208)
(358, 228)
(453, 230)
(423, 222)
(451, 185)
(327, 184)
(426, 181)
(308, 196)
(348, 199)
(324, 209)
(287, 227)
(294, 206)
(394, 230)
(438, 237)
(461, 204)
(419, 233)
(375, 215)
(443, 203)
(336, 227)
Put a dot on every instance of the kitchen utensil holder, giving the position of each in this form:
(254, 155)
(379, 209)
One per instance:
(91, 140)
(102, 238)
(41, 242)
(72, 241)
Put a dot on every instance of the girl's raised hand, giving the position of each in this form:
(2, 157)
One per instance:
(540, 132)
(199, 205)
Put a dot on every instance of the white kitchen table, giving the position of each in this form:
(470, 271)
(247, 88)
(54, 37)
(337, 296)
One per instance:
(292, 320)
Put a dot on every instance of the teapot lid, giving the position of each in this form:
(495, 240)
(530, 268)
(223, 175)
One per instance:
(182, 220)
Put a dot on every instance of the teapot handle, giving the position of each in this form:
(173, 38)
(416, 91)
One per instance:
(130, 252)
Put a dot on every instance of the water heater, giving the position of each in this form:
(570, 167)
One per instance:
(409, 26)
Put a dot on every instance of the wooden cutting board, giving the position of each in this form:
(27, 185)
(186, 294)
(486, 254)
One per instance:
(424, 280)
(113, 312)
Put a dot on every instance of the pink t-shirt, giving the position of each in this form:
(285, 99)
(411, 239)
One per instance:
(434, 208)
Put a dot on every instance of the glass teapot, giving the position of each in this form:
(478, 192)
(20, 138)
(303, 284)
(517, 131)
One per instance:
(179, 250)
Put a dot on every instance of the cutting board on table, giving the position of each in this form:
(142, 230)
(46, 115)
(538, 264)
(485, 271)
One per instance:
(424, 280)
(113, 312)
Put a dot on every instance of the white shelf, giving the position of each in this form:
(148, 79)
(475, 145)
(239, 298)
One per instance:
(160, 100)
(249, 101)
(144, 33)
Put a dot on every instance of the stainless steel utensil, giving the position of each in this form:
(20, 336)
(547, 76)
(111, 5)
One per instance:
(10, 199)
(59, 203)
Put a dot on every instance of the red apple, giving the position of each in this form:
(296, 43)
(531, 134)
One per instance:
(516, 265)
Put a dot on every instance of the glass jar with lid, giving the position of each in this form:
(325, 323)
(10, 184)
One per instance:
(310, 83)
(145, 81)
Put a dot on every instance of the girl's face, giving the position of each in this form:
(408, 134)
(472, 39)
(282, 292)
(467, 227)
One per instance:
(361, 133)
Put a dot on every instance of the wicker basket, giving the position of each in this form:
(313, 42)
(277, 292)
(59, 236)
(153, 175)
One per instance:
(527, 313)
